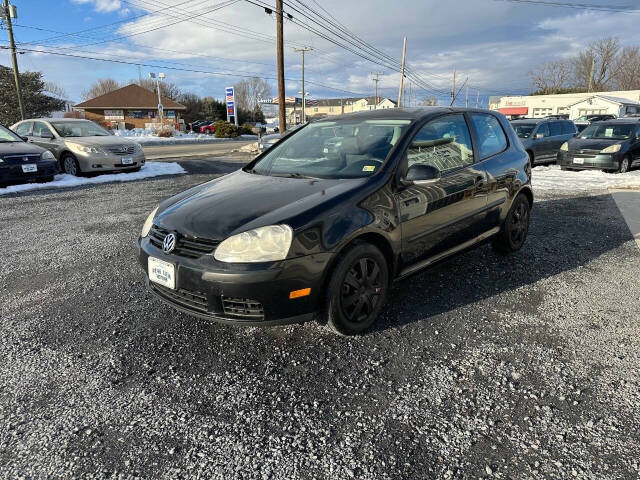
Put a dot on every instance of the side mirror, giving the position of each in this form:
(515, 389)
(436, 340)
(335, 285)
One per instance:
(25, 139)
(538, 136)
(421, 174)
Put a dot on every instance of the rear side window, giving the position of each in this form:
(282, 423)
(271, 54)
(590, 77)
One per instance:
(489, 133)
(23, 129)
(39, 128)
(444, 143)
(568, 128)
(543, 129)
(555, 129)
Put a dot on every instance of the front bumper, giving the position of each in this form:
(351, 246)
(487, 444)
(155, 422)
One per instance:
(12, 173)
(590, 161)
(91, 162)
(240, 294)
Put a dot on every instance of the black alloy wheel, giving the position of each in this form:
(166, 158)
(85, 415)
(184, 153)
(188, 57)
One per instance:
(516, 227)
(357, 289)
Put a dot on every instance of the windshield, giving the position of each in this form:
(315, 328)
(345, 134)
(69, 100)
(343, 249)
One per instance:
(523, 130)
(79, 129)
(345, 149)
(7, 135)
(608, 131)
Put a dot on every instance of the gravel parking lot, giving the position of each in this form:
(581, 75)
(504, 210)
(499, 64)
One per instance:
(504, 367)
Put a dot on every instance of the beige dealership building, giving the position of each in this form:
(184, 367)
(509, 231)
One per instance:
(575, 105)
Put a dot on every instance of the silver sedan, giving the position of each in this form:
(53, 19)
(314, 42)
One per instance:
(82, 146)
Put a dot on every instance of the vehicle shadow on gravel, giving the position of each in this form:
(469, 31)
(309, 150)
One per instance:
(565, 234)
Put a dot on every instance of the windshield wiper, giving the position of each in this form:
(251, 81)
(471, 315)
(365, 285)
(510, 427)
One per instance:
(294, 175)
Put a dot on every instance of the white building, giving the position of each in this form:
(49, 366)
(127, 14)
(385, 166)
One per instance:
(572, 104)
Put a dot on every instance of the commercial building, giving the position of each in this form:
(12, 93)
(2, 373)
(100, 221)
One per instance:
(132, 105)
(575, 105)
(333, 106)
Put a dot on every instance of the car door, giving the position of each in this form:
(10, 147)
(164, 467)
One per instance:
(43, 136)
(635, 147)
(438, 215)
(556, 138)
(540, 146)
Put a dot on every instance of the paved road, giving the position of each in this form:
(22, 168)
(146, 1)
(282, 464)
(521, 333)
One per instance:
(192, 150)
(505, 367)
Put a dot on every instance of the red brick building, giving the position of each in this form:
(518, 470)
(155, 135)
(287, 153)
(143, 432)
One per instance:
(134, 105)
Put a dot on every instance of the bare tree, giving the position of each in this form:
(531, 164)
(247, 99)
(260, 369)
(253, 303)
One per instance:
(551, 77)
(167, 89)
(249, 92)
(596, 66)
(627, 69)
(100, 87)
(55, 89)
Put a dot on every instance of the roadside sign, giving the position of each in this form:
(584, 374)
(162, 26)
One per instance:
(231, 104)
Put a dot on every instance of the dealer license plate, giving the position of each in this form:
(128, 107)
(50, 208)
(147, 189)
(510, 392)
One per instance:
(127, 160)
(162, 272)
(29, 168)
(578, 161)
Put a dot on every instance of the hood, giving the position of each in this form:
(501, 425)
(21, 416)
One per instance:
(18, 148)
(591, 143)
(242, 201)
(109, 140)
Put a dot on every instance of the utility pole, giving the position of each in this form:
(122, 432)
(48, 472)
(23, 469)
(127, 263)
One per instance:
(304, 93)
(593, 67)
(376, 78)
(477, 97)
(404, 54)
(9, 12)
(453, 88)
(280, 60)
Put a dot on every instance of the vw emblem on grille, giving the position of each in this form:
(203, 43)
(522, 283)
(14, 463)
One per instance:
(169, 243)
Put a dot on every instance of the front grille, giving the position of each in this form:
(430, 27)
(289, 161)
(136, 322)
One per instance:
(186, 246)
(121, 149)
(195, 301)
(242, 308)
(21, 159)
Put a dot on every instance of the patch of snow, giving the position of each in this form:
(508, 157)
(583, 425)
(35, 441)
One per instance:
(552, 178)
(147, 136)
(150, 169)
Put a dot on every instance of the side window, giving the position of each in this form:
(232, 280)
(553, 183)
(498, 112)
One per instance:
(543, 129)
(24, 129)
(39, 128)
(490, 135)
(555, 128)
(568, 128)
(444, 143)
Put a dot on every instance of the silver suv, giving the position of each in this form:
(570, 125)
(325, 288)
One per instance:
(81, 146)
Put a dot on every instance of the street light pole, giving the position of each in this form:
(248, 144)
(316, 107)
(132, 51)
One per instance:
(304, 93)
(280, 65)
(8, 12)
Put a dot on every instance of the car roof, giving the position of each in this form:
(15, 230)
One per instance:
(415, 113)
(623, 120)
(537, 120)
(51, 119)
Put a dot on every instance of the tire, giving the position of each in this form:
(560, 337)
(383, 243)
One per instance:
(516, 227)
(625, 165)
(354, 299)
(70, 165)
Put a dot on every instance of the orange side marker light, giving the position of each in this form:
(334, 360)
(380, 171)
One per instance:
(299, 293)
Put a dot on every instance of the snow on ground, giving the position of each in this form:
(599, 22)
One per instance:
(552, 178)
(150, 169)
(148, 137)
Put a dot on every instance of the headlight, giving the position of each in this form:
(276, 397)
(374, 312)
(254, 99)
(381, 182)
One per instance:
(47, 156)
(264, 244)
(565, 147)
(83, 149)
(148, 223)
(612, 148)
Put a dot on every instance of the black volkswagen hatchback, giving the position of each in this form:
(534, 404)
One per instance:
(325, 220)
(22, 162)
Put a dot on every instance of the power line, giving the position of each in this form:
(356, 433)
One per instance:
(581, 6)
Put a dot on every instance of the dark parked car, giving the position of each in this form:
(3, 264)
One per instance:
(613, 145)
(585, 120)
(21, 162)
(542, 138)
(299, 231)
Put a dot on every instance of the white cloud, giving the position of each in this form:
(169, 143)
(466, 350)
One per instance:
(103, 6)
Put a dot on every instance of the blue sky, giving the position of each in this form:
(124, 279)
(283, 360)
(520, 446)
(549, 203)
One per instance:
(493, 43)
